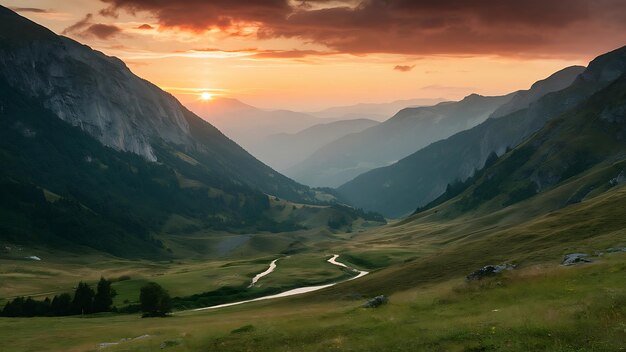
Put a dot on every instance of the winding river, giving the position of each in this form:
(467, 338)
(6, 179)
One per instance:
(266, 272)
(293, 292)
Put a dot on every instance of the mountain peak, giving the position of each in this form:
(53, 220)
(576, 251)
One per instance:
(15, 29)
(606, 67)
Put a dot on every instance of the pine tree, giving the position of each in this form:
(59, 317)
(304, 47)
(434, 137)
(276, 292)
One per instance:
(83, 299)
(104, 296)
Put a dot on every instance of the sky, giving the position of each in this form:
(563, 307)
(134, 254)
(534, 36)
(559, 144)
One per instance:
(313, 54)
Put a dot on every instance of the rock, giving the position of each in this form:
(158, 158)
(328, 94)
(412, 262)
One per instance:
(489, 270)
(616, 249)
(169, 343)
(376, 302)
(619, 179)
(575, 258)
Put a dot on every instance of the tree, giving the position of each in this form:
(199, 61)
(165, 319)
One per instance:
(154, 300)
(83, 299)
(103, 299)
(61, 305)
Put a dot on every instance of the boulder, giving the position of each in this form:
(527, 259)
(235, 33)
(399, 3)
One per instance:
(575, 258)
(489, 270)
(376, 302)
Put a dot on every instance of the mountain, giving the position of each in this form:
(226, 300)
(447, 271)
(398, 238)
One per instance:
(407, 131)
(524, 98)
(576, 156)
(95, 156)
(284, 150)
(248, 125)
(373, 111)
(421, 177)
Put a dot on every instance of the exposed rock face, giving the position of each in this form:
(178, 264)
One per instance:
(376, 302)
(118, 108)
(575, 258)
(489, 270)
(90, 90)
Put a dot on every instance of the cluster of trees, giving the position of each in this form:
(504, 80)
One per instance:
(84, 301)
(154, 302)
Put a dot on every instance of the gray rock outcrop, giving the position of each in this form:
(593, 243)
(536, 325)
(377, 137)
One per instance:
(575, 258)
(488, 270)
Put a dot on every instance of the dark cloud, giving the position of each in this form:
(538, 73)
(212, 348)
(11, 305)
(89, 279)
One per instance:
(86, 28)
(28, 9)
(103, 31)
(404, 68)
(458, 27)
(145, 26)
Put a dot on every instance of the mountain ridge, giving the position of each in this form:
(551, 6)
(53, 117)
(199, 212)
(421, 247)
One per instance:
(421, 177)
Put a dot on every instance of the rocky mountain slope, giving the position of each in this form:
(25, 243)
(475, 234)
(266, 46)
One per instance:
(421, 177)
(95, 156)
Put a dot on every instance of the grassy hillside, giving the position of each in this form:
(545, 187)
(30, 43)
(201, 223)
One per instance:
(538, 306)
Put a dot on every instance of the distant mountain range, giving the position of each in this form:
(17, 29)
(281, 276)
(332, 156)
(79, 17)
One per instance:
(248, 125)
(95, 156)
(284, 150)
(410, 130)
(283, 138)
(424, 175)
(407, 131)
(373, 111)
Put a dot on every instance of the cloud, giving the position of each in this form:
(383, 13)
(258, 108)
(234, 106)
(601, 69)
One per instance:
(414, 27)
(404, 68)
(28, 9)
(103, 31)
(86, 28)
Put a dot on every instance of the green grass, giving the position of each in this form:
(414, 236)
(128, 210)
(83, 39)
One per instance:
(547, 308)
(419, 263)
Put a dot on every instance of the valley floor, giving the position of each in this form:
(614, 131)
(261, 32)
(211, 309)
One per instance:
(538, 308)
(419, 263)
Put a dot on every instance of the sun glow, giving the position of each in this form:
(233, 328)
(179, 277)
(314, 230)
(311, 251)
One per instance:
(206, 96)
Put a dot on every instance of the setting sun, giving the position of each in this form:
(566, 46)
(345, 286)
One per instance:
(206, 96)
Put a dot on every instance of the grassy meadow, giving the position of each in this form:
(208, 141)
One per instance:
(420, 263)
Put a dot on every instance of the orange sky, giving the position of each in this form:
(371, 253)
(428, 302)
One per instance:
(278, 54)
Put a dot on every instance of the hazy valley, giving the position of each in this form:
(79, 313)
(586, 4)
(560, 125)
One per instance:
(132, 219)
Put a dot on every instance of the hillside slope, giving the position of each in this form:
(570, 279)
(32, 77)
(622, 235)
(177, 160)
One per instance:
(414, 181)
(407, 131)
(100, 95)
(94, 156)
(590, 137)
